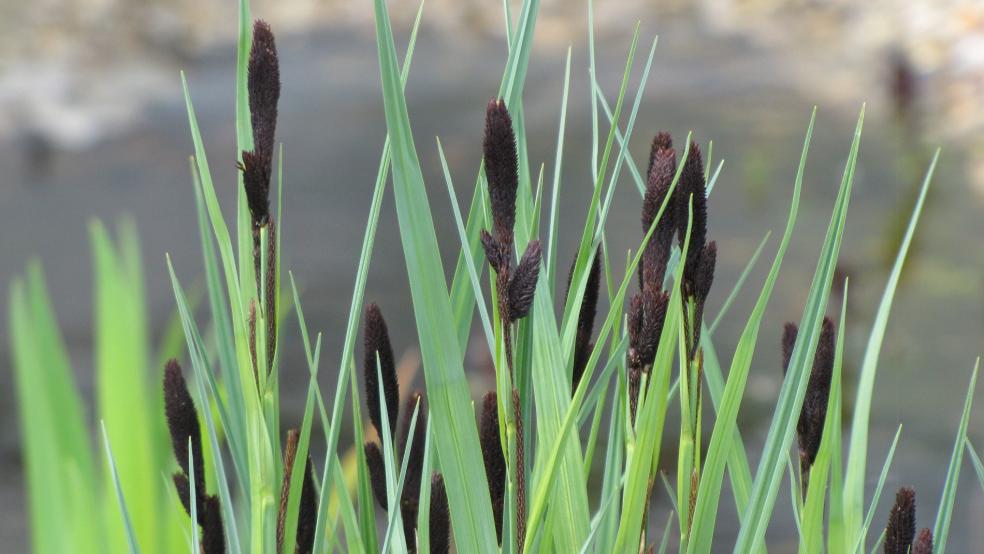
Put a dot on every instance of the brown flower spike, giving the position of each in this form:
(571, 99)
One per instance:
(377, 343)
(585, 318)
(182, 423)
(813, 414)
(901, 529)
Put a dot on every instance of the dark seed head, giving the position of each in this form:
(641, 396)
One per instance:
(522, 284)
(182, 422)
(440, 517)
(647, 312)
(814, 411)
(213, 536)
(377, 342)
(377, 472)
(495, 462)
(495, 252)
(901, 529)
(662, 167)
(307, 514)
(263, 86)
(501, 169)
(585, 317)
(924, 542)
(256, 168)
(691, 188)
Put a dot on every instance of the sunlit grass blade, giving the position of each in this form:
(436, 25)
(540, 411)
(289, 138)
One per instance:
(857, 455)
(941, 530)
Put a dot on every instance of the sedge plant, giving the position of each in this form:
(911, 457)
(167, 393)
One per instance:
(564, 455)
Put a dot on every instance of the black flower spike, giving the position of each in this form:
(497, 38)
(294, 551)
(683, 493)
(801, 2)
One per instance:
(263, 86)
(415, 456)
(901, 529)
(377, 472)
(647, 312)
(692, 184)
(495, 462)
(814, 410)
(256, 170)
(182, 422)
(377, 343)
(924, 542)
(307, 514)
(440, 517)
(501, 169)
(213, 536)
(497, 256)
(662, 167)
(585, 318)
(703, 279)
(522, 284)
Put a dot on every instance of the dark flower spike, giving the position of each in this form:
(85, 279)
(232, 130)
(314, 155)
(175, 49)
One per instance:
(703, 280)
(692, 184)
(307, 513)
(585, 318)
(901, 529)
(440, 517)
(256, 168)
(377, 342)
(182, 422)
(263, 86)
(924, 542)
(377, 472)
(213, 536)
(522, 284)
(182, 486)
(497, 256)
(647, 311)
(662, 167)
(814, 411)
(495, 462)
(501, 169)
(415, 456)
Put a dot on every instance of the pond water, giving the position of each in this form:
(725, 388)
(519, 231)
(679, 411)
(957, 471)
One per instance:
(738, 95)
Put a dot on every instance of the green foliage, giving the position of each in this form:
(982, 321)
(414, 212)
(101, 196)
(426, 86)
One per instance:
(591, 460)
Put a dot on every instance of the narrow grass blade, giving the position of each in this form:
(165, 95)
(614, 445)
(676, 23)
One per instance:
(941, 530)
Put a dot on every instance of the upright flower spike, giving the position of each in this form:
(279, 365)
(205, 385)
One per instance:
(307, 508)
(692, 188)
(701, 288)
(495, 462)
(263, 87)
(182, 422)
(522, 284)
(813, 414)
(924, 542)
(501, 170)
(377, 343)
(901, 529)
(377, 472)
(662, 167)
(440, 517)
(585, 318)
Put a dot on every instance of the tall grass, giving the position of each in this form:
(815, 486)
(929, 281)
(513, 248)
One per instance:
(567, 453)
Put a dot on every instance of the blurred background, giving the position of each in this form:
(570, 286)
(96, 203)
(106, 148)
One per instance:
(92, 125)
